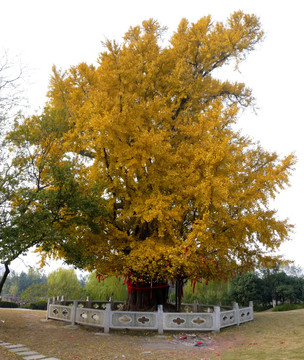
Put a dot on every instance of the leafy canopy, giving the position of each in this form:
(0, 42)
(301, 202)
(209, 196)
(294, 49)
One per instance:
(64, 282)
(169, 189)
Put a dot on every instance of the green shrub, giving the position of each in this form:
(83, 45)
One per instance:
(8, 304)
(261, 307)
(287, 307)
(38, 305)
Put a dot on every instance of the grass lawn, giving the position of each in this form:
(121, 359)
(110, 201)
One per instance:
(272, 335)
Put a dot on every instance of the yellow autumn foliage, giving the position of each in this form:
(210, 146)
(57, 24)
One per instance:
(153, 128)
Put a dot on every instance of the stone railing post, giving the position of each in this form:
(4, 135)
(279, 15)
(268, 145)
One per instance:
(217, 318)
(195, 306)
(48, 308)
(74, 312)
(237, 313)
(251, 306)
(88, 303)
(107, 318)
(160, 319)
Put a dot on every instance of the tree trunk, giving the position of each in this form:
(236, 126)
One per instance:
(4, 277)
(178, 295)
(142, 297)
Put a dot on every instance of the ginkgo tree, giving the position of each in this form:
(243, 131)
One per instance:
(181, 194)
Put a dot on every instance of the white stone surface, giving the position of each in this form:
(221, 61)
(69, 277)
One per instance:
(14, 346)
(30, 352)
(17, 350)
(34, 357)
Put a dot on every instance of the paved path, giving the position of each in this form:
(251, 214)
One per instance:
(25, 352)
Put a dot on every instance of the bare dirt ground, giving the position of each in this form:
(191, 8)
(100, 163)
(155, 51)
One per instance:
(59, 340)
(271, 336)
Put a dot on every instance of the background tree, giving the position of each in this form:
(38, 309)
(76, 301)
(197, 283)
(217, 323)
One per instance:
(247, 287)
(10, 103)
(295, 271)
(285, 292)
(17, 283)
(268, 286)
(32, 277)
(180, 194)
(24, 223)
(64, 282)
(34, 293)
(210, 293)
(11, 98)
(83, 280)
(28, 212)
(45, 197)
(110, 287)
(10, 286)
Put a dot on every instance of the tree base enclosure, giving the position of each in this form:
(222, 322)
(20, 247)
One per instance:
(107, 315)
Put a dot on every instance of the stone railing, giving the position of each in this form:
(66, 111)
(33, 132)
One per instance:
(103, 315)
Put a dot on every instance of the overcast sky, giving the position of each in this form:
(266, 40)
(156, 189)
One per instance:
(42, 33)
